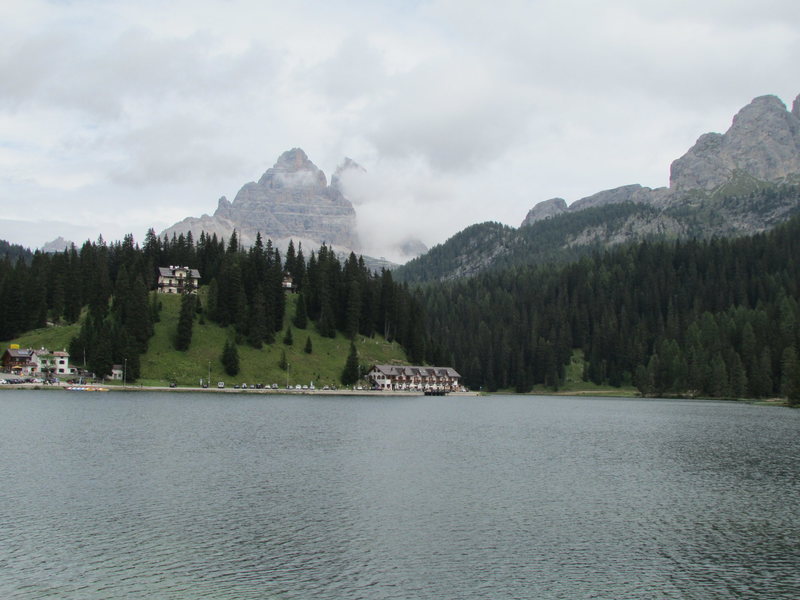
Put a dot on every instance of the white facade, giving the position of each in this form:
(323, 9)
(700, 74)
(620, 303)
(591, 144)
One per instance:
(178, 280)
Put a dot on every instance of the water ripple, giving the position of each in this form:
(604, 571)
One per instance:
(157, 496)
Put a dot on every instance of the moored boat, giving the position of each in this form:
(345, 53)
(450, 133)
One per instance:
(85, 388)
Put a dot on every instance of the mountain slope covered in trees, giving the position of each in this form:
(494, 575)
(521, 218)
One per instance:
(741, 207)
(716, 318)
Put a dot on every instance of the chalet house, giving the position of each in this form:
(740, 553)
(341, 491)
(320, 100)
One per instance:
(54, 363)
(178, 280)
(399, 377)
(24, 361)
(288, 283)
(20, 361)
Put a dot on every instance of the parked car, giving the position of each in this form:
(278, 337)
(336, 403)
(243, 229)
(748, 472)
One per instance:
(220, 384)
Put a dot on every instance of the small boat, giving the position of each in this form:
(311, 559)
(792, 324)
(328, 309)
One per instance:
(85, 388)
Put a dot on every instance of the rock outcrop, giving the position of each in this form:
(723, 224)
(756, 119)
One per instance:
(57, 245)
(544, 210)
(290, 200)
(762, 144)
(763, 141)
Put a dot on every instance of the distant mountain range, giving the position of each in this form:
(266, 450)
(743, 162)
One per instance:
(744, 181)
(291, 201)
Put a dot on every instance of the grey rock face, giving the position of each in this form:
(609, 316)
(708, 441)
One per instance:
(290, 200)
(545, 210)
(57, 245)
(763, 142)
(625, 193)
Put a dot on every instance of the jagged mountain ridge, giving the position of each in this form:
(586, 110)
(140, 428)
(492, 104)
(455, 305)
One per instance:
(292, 199)
(741, 182)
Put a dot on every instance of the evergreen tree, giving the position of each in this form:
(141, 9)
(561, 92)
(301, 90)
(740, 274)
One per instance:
(283, 364)
(183, 336)
(308, 349)
(300, 319)
(230, 358)
(288, 339)
(350, 373)
(257, 330)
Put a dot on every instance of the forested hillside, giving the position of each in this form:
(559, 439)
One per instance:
(13, 252)
(108, 289)
(742, 206)
(717, 318)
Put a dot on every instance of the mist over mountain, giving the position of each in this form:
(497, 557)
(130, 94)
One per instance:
(291, 200)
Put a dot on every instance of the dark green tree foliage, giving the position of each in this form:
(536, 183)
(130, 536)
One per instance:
(230, 358)
(308, 349)
(110, 283)
(257, 330)
(183, 336)
(300, 318)
(283, 364)
(711, 318)
(350, 373)
(288, 338)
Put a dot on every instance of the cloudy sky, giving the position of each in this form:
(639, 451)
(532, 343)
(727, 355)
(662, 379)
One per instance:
(116, 116)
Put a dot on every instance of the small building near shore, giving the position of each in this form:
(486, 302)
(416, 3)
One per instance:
(30, 362)
(20, 361)
(54, 363)
(178, 280)
(414, 378)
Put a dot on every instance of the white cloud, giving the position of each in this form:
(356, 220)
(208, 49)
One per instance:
(131, 115)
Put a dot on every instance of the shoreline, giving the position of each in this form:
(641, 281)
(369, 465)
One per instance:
(227, 390)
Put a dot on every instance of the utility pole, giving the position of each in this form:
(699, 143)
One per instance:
(124, 370)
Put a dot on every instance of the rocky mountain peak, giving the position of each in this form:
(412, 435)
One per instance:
(544, 210)
(291, 200)
(293, 169)
(763, 141)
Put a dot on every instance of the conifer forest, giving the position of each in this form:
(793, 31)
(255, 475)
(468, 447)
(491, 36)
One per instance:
(712, 318)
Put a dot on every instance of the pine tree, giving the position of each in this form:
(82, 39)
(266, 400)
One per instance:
(308, 349)
(350, 373)
(288, 339)
(183, 336)
(300, 318)
(283, 364)
(230, 358)
(257, 331)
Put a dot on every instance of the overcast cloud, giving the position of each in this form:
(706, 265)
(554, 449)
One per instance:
(119, 116)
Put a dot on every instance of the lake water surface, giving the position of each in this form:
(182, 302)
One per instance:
(175, 496)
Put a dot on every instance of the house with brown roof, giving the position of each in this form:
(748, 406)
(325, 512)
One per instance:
(414, 378)
(20, 361)
(26, 361)
(178, 280)
(54, 363)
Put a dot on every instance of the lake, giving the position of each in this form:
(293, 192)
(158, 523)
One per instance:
(176, 496)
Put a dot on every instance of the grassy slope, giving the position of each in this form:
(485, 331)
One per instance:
(323, 366)
(52, 338)
(162, 363)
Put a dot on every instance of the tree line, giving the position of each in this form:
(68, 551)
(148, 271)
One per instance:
(109, 289)
(714, 318)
